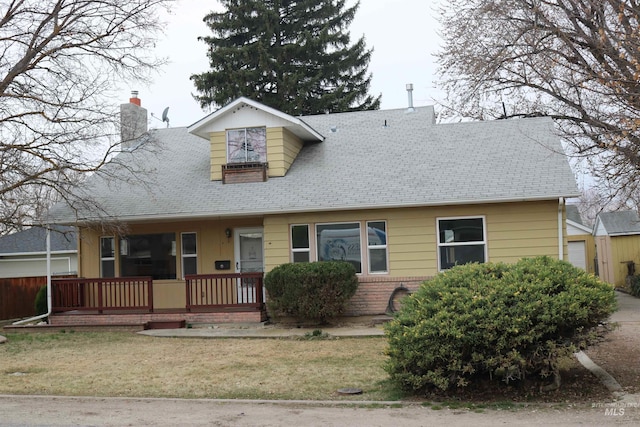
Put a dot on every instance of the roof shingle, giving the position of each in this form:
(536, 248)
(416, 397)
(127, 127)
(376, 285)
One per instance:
(362, 165)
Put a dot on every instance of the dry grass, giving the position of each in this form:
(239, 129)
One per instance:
(126, 364)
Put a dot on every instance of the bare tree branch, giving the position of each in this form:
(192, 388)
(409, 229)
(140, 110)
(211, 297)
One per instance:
(60, 61)
(577, 61)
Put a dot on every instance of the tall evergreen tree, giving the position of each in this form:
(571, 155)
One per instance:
(290, 55)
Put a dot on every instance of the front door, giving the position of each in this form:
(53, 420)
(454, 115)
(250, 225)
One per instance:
(249, 259)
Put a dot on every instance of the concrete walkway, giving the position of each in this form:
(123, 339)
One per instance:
(628, 312)
(628, 309)
(264, 331)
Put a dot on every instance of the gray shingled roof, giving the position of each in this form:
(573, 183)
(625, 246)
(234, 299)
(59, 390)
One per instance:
(362, 165)
(623, 222)
(573, 214)
(34, 240)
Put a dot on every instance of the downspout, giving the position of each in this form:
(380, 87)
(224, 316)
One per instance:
(49, 303)
(560, 228)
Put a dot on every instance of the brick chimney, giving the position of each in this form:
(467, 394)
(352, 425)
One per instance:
(133, 121)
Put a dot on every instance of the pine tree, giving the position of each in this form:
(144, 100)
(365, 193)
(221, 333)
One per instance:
(290, 55)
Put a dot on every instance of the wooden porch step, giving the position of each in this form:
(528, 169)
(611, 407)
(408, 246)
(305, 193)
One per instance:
(165, 324)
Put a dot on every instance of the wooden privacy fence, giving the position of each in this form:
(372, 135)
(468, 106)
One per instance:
(18, 296)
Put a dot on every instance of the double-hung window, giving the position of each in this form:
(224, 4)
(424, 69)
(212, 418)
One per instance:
(461, 241)
(107, 257)
(189, 254)
(300, 247)
(377, 246)
(247, 145)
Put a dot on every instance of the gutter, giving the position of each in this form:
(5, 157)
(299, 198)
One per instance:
(560, 228)
(309, 209)
(49, 302)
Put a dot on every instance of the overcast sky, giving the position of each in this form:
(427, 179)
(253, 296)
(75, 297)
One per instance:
(403, 34)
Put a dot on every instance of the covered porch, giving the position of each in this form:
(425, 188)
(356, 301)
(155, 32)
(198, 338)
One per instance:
(205, 298)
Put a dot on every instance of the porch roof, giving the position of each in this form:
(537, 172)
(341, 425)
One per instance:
(368, 160)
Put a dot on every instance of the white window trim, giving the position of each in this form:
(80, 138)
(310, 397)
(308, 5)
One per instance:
(113, 258)
(300, 250)
(183, 255)
(453, 218)
(363, 257)
(245, 140)
(364, 254)
(385, 247)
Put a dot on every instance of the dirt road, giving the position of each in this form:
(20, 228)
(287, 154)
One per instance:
(30, 411)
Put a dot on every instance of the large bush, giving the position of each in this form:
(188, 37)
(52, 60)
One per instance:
(316, 291)
(494, 321)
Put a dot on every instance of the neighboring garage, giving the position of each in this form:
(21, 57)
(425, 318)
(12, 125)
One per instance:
(581, 246)
(617, 238)
(578, 254)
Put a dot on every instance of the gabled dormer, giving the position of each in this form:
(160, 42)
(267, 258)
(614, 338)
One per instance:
(250, 141)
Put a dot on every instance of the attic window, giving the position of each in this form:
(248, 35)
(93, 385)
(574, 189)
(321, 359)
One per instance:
(247, 145)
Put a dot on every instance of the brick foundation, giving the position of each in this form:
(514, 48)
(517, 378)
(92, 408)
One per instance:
(371, 299)
(372, 296)
(78, 319)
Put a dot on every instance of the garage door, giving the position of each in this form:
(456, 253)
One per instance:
(578, 254)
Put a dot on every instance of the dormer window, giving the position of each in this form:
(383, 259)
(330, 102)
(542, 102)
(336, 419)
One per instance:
(248, 145)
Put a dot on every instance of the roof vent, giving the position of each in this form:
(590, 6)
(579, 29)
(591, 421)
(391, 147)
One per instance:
(410, 96)
(334, 129)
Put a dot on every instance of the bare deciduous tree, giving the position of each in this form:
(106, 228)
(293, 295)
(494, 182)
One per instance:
(577, 61)
(60, 61)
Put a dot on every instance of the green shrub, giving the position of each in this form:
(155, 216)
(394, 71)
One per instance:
(494, 321)
(41, 301)
(315, 291)
(635, 286)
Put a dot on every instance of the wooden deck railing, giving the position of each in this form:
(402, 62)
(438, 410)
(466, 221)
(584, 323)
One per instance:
(224, 290)
(114, 294)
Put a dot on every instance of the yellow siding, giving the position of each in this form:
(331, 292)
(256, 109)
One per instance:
(282, 149)
(212, 244)
(623, 249)
(275, 151)
(514, 231)
(292, 146)
(218, 154)
(88, 253)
